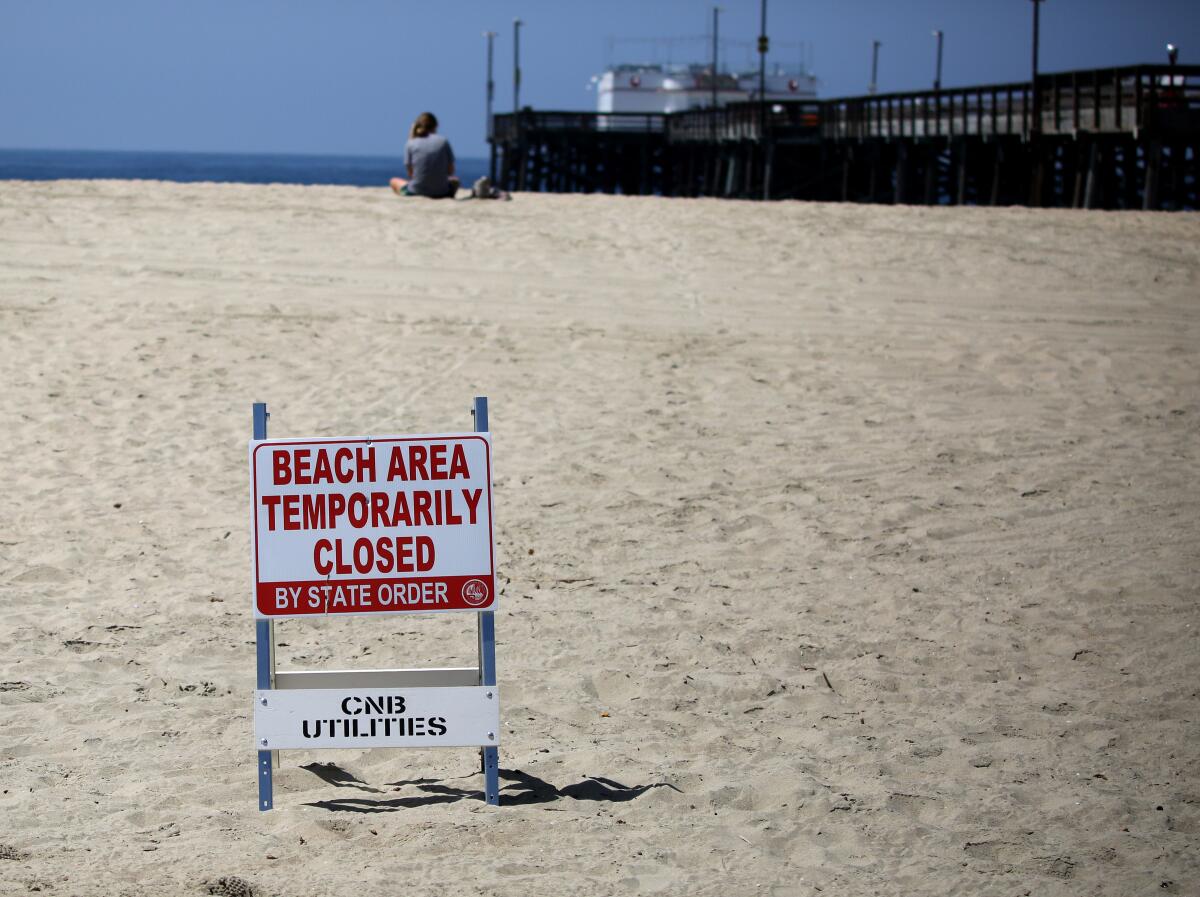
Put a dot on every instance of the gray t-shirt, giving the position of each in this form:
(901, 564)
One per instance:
(430, 158)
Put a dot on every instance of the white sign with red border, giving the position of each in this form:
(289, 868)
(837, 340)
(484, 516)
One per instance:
(375, 525)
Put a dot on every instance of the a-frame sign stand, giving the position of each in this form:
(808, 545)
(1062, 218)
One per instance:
(470, 687)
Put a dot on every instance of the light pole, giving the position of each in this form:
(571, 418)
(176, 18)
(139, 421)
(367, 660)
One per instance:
(875, 45)
(763, 45)
(1035, 119)
(716, 25)
(937, 79)
(517, 23)
(491, 85)
(491, 95)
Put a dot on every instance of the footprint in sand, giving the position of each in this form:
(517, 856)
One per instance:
(40, 574)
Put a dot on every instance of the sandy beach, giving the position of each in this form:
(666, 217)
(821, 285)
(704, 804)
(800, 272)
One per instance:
(848, 549)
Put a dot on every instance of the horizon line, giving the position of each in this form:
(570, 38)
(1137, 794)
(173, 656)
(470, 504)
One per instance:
(322, 154)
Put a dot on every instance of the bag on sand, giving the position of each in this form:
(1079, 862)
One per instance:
(483, 189)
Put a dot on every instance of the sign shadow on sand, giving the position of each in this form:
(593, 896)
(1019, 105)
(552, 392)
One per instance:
(520, 789)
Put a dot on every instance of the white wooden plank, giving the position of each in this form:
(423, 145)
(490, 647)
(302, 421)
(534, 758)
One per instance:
(344, 679)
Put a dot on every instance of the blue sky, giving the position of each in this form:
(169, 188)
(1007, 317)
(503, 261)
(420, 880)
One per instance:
(347, 76)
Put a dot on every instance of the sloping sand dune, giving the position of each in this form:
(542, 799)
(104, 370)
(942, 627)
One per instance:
(849, 550)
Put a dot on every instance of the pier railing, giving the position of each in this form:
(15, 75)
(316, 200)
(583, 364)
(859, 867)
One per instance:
(1119, 100)
(744, 121)
(1104, 101)
(1128, 99)
(992, 110)
(512, 126)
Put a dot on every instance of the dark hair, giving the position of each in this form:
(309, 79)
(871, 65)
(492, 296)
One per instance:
(425, 125)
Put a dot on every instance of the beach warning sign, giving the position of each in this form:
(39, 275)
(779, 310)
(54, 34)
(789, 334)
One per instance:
(372, 525)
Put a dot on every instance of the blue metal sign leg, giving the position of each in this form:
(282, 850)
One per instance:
(487, 654)
(264, 639)
(487, 675)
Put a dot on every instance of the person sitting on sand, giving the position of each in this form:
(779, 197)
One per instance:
(429, 161)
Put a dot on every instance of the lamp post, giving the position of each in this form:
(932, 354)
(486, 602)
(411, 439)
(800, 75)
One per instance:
(763, 45)
(490, 36)
(937, 78)
(875, 45)
(1174, 82)
(491, 95)
(1035, 119)
(517, 23)
(715, 59)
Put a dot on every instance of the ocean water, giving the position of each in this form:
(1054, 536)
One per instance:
(241, 168)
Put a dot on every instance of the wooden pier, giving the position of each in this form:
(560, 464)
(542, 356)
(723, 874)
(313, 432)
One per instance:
(1124, 138)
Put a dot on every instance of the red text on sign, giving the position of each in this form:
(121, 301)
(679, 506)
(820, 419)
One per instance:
(388, 554)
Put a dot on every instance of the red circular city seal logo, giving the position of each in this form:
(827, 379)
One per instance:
(475, 592)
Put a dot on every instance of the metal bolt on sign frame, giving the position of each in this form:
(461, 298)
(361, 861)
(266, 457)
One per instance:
(264, 632)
